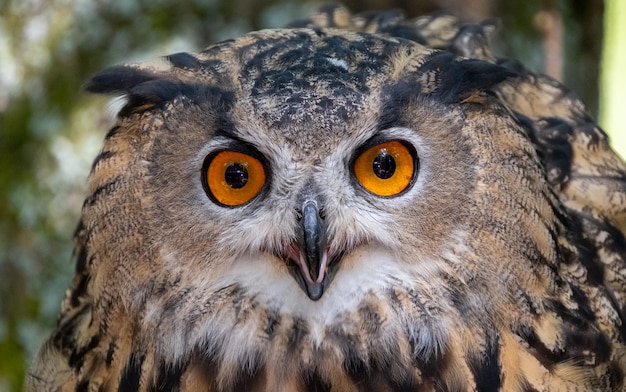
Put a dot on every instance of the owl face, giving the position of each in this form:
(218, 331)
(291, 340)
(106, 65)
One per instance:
(304, 182)
(287, 179)
(322, 167)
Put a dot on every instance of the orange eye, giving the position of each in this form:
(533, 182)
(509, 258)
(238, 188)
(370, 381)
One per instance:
(386, 169)
(233, 178)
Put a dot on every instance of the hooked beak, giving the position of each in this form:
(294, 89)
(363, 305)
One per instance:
(309, 252)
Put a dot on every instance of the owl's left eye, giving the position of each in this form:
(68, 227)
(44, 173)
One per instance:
(387, 169)
(232, 178)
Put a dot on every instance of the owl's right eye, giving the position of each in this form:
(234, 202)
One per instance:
(386, 169)
(232, 178)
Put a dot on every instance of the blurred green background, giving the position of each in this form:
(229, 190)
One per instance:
(50, 130)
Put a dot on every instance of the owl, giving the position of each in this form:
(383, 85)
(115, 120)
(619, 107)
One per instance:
(352, 203)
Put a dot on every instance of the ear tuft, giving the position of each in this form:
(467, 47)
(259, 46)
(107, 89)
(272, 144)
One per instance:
(118, 80)
(141, 88)
(452, 80)
(145, 88)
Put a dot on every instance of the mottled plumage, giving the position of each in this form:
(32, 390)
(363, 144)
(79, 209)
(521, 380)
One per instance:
(498, 265)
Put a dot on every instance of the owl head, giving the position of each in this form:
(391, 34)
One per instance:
(293, 153)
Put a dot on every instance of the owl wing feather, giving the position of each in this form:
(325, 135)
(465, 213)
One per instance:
(589, 179)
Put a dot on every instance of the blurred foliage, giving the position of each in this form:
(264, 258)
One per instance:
(49, 130)
(613, 76)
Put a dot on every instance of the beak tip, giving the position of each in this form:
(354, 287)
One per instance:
(314, 290)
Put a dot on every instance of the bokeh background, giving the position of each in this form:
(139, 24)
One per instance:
(50, 130)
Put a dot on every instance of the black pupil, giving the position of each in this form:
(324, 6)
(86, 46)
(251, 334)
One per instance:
(236, 175)
(384, 165)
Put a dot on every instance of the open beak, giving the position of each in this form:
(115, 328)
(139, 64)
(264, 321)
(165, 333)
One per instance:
(309, 252)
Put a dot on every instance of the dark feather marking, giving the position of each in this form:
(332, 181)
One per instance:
(242, 304)
(168, 378)
(226, 128)
(455, 79)
(397, 97)
(104, 155)
(587, 253)
(470, 39)
(513, 65)
(583, 340)
(584, 308)
(112, 132)
(273, 321)
(588, 256)
(486, 366)
(545, 356)
(144, 89)
(586, 124)
(76, 358)
(314, 383)
(159, 289)
(131, 375)
(174, 302)
(588, 344)
(371, 373)
(80, 290)
(207, 367)
(392, 294)
(298, 331)
(557, 150)
(532, 253)
(423, 353)
(610, 178)
(397, 381)
(354, 366)
(306, 62)
(433, 366)
(526, 387)
(531, 306)
(110, 351)
(551, 138)
(64, 338)
(620, 311)
(371, 319)
(615, 241)
(82, 386)
(250, 380)
(81, 259)
(160, 91)
(460, 299)
(403, 31)
(117, 80)
(390, 23)
(79, 228)
(385, 380)
(616, 376)
(102, 191)
(184, 60)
